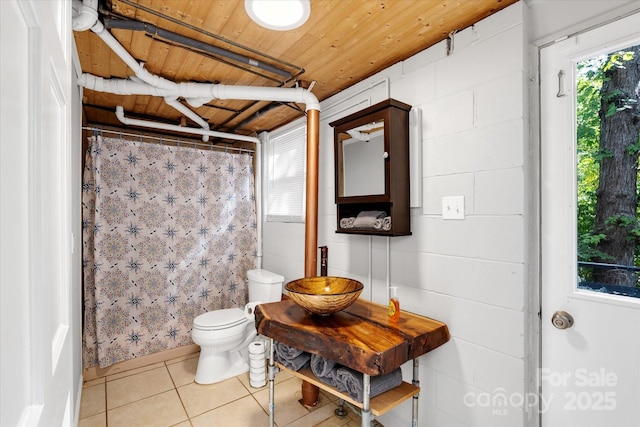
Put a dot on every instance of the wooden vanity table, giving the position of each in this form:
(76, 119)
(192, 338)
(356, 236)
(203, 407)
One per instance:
(361, 337)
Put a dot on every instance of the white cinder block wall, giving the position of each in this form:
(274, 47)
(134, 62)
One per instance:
(468, 273)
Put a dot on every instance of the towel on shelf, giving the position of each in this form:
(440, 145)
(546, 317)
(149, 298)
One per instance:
(347, 222)
(386, 223)
(367, 219)
(352, 382)
(291, 357)
(378, 224)
(325, 370)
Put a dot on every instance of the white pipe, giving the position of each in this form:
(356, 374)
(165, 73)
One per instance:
(379, 126)
(201, 90)
(88, 19)
(364, 136)
(124, 86)
(259, 202)
(87, 15)
(360, 136)
(197, 102)
(251, 93)
(388, 268)
(164, 126)
(173, 102)
(122, 53)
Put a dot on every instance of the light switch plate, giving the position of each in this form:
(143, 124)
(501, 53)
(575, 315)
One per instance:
(453, 207)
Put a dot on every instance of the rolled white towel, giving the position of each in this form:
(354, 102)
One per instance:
(346, 222)
(386, 223)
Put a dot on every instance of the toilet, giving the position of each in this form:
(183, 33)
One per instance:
(224, 335)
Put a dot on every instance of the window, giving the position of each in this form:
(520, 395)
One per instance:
(608, 146)
(286, 174)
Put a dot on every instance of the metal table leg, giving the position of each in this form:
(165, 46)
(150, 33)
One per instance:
(366, 404)
(340, 411)
(416, 382)
(272, 376)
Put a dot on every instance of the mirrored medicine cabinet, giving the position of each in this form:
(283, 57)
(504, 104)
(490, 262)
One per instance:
(372, 170)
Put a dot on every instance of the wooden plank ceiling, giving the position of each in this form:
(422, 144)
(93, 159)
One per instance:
(342, 43)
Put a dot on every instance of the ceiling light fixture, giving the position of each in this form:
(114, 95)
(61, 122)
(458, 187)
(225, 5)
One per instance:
(279, 15)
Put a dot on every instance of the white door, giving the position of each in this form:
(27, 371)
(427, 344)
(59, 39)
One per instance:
(35, 215)
(590, 371)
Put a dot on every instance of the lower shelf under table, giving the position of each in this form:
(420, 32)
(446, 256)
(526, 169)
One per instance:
(361, 337)
(380, 404)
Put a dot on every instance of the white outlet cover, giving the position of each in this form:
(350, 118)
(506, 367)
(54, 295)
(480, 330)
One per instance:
(453, 207)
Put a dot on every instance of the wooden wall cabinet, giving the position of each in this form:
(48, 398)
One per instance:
(372, 169)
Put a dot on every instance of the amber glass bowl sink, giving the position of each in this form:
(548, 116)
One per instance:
(324, 295)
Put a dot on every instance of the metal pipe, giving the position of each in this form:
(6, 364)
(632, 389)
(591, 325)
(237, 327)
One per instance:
(416, 382)
(272, 377)
(162, 139)
(324, 260)
(311, 216)
(366, 402)
(310, 391)
(340, 411)
(169, 35)
(199, 30)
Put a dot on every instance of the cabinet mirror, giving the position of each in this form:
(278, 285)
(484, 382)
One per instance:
(363, 155)
(372, 170)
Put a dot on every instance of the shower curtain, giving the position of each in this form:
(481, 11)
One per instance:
(168, 233)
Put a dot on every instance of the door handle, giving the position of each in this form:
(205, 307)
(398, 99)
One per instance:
(562, 320)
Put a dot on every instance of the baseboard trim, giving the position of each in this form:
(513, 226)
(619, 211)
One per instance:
(97, 372)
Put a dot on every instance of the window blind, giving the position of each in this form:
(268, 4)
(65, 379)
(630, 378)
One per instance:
(286, 175)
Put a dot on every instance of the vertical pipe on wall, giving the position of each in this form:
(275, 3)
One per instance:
(388, 267)
(370, 273)
(258, 197)
(311, 214)
(310, 392)
(324, 260)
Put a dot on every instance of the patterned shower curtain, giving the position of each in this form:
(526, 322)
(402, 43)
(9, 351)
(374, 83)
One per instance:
(168, 233)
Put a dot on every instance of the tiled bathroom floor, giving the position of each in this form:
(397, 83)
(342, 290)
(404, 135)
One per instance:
(164, 394)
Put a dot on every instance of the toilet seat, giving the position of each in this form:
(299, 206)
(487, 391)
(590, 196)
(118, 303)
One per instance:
(220, 319)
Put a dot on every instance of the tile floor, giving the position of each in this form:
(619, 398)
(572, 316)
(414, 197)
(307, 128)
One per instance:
(164, 394)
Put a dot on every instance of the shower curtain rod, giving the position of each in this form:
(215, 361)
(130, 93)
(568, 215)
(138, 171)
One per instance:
(160, 139)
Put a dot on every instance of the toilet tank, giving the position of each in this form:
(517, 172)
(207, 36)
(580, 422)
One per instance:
(264, 286)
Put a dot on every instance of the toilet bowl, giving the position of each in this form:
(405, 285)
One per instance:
(224, 335)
